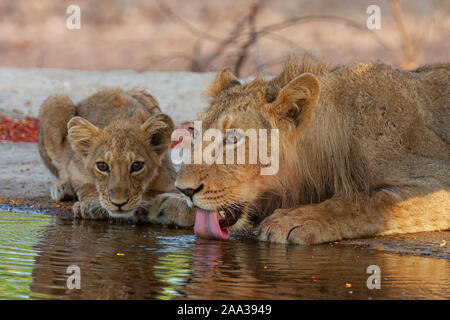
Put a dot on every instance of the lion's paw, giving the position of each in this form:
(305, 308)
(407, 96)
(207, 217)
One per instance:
(61, 190)
(171, 209)
(89, 210)
(288, 226)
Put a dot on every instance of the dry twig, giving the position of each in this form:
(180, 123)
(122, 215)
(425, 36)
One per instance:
(407, 46)
(237, 35)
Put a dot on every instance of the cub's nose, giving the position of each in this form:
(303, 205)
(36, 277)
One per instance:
(118, 197)
(119, 205)
(190, 191)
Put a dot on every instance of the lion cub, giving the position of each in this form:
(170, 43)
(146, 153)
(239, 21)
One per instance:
(110, 153)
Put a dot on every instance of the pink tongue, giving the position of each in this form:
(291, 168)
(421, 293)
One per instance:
(207, 225)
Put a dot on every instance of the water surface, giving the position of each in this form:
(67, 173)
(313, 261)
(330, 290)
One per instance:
(125, 261)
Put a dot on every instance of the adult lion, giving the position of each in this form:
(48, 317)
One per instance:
(364, 150)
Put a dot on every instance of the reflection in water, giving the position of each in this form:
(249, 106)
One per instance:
(18, 234)
(121, 261)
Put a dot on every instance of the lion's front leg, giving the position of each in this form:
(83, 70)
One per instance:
(169, 209)
(89, 210)
(89, 207)
(331, 220)
(299, 225)
(62, 190)
(381, 213)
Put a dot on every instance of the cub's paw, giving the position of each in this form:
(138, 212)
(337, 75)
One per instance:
(61, 190)
(288, 226)
(171, 209)
(89, 210)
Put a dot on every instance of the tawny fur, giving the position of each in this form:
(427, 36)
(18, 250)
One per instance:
(117, 128)
(366, 154)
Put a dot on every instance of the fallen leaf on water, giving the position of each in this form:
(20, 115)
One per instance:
(348, 285)
(120, 254)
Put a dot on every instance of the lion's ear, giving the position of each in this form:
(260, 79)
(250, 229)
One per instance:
(82, 135)
(297, 100)
(158, 129)
(224, 80)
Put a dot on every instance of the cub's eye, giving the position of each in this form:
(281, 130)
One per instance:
(137, 166)
(102, 166)
(232, 137)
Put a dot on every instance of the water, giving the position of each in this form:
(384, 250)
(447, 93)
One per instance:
(123, 261)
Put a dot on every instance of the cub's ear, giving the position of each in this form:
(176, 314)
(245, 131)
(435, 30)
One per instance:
(82, 135)
(158, 129)
(296, 101)
(224, 80)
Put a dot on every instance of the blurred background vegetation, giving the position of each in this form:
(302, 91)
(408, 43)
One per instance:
(206, 35)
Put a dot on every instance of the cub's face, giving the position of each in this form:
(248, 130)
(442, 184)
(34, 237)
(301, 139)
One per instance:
(227, 192)
(123, 158)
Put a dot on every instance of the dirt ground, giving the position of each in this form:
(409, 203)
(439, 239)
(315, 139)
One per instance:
(22, 91)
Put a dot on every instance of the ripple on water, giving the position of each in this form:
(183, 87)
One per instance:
(122, 261)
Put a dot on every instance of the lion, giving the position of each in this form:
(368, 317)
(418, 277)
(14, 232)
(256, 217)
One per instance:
(109, 152)
(364, 150)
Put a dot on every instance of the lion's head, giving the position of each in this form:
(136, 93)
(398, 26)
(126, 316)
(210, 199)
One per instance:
(122, 158)
(226, 194)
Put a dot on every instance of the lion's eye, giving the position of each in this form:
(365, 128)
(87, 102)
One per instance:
(232, 138)
(191, 130)
(195, 136)
(102, 166)
(137, 166)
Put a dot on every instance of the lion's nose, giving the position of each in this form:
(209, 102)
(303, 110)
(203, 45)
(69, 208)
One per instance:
(119, 205)
(118, 197)
(190, 191)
